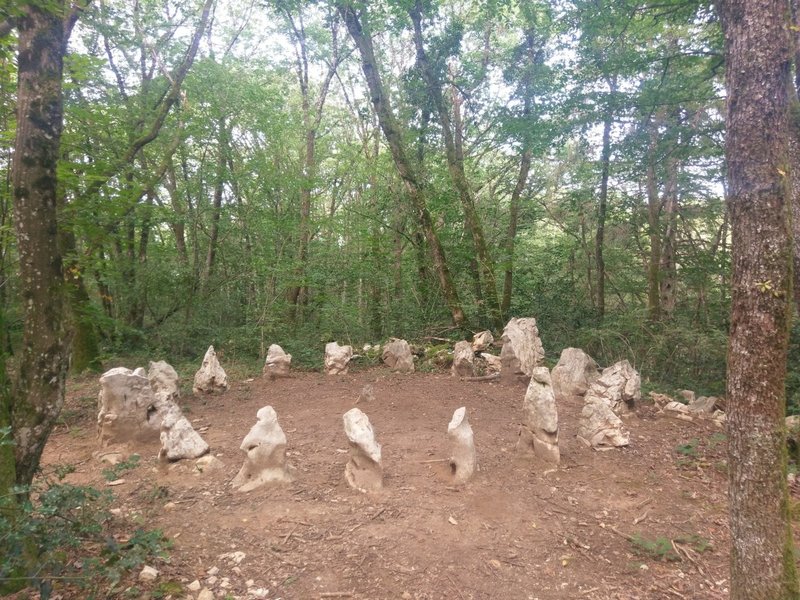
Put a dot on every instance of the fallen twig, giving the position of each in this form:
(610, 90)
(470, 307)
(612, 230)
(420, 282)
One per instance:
(492, 377)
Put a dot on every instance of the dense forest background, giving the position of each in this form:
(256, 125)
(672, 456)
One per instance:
(227, 178)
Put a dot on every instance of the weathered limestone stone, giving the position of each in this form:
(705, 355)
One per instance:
(703, 405)
(164, 379)
(278, 363)
(179, 440)
(211, 377)
(265, 446)
(337, 358)
(363, 471)
(397, 356)
(677, 407)
(522, 349)
(687, 395)
(600, 427)
(493, 363)
(482, 341)
(620, 386)
(462, 449)
(208, 463)
(573, 374)
(463, 360)
(540, 431)
(127, 408)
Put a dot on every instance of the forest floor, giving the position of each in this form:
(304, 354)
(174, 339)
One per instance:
(646, 521)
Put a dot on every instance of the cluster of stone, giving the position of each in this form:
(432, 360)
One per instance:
(614, 392)
(139, 407)
(397, 356)
(467, 356)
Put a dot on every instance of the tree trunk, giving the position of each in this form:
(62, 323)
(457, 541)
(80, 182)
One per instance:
(794, 146)
(38, 393)
(413, 185)
(668, 274)
(216, 209)
(757, 78)
(455, 166)
(602, 207)
(511, 234)
(654, 227)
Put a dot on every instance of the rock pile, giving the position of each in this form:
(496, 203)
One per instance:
(397, 356)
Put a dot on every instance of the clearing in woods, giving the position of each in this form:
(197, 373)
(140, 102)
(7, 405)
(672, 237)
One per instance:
(647, 521)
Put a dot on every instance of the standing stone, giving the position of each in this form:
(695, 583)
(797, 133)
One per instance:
(462, 457)
(573, 374)
(599, 426)
(620, 386)
(164, 379)
(337, 358)
(211, 377)
(397, 356)
(179, 440)
(540, 431)
(363, 471)
(278, 363)
(482, 341)
(127, 408)
(265, 447)
(463, 360)
(493, 363)
(522, 349)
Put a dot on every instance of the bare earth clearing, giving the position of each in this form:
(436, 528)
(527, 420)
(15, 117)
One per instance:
(516, 531)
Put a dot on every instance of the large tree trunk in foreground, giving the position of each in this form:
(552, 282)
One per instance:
(391, 131)
(38, 393)
(758, 59)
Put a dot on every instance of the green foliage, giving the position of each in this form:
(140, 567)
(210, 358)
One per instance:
(113, 472)
(65, 539)
(689, 448)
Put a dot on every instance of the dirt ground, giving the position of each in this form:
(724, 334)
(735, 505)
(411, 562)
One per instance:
(647, 521)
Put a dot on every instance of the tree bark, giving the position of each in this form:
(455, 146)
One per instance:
(654, 226)
(38, 392)
(757, 52)
(391, 130)
(602, 209)
(455, 166)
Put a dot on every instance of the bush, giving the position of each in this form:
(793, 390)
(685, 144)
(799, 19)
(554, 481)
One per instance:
(65, 538)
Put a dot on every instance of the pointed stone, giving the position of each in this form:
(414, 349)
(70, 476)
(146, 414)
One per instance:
(493, 363)
(540, 430)
(179, 440)
(462, 446)
(397, 356)
(211, 377)
(265, 447)
(278, 363)
(463, 360)
(364, 470)
(522, 349)
(481, 341)
(164, 379)
(575, 372)
(337, 358)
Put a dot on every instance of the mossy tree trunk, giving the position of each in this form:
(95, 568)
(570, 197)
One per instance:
(758, 58)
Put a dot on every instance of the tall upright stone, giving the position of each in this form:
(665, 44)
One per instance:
(337, 358)
(463, 360)
(482, 340)
(278, 363)
(397, 356)
(265, 449)
(179, 440)
(539, 433)
(128, 410)
(522, 349)
(462, 446)
(364, 470)
(211, 377)
(573, 374)
(164, 379)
